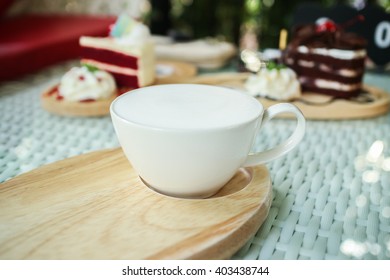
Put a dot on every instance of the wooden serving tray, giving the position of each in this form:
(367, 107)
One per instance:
(94, 206)
(50, 103)
(313, 106)
(320, 107)
(176, 71)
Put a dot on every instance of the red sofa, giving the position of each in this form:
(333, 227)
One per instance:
(30, 42)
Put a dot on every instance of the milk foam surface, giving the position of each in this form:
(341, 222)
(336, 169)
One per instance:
(187, 107)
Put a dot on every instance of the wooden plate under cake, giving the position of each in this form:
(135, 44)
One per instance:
(175, 72)
(373, 101)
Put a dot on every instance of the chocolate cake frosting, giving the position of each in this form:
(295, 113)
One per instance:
(312, 36)
(327, 59)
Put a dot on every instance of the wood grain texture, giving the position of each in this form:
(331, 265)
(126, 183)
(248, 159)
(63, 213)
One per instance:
(340, 109)
(94, 206)
(50, 103)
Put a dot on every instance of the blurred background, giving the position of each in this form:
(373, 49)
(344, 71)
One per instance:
(231, 19)
(47, 31)
(224, 19)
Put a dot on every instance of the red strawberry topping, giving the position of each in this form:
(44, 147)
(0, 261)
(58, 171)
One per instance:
(325, 24)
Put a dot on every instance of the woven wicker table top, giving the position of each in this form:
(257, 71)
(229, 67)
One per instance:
(331, 193)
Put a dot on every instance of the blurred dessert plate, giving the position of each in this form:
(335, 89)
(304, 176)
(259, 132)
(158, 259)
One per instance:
(53, 102)
(207, 53)
(372, 102)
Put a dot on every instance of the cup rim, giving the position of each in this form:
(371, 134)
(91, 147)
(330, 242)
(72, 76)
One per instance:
(157, 128)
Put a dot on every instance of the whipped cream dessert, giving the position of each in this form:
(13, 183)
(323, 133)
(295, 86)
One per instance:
(86, 83)
(128, 53)
(275, 82)
(127, 31)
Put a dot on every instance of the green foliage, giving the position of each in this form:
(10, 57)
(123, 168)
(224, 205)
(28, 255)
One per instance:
(272, 65)
(90, 67)
(227, 18)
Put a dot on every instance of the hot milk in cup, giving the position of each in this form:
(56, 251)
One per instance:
(189, 140)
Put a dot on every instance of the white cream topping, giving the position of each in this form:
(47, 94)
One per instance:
(81, 84)
(348, 73)
(138, 35)
(306, 63)
(128, 31)
(335, 53)
(345, 72)
(335, 85)
(277, 84)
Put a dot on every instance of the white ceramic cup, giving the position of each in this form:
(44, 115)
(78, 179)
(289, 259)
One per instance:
(189, 140)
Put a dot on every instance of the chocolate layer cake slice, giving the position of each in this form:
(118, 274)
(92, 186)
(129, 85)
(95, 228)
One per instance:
(327, 59)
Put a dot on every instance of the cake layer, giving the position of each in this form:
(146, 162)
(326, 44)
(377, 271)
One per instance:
(327, 59)
(343, 76)
(126, 80)
(124, 77)
(328, 71)
(109, 43)
(292, 58)
(137, 62)
(331, 92)
(330, 87)
(334, 53)
(345, 72)
(142, 78)
(310, 36)
(109, 56)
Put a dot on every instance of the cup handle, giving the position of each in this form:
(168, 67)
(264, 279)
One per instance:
(287, 145)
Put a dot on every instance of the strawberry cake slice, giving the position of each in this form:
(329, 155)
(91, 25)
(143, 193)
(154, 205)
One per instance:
(128, 53)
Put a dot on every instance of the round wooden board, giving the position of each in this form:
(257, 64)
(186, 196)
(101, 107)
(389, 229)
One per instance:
(173, 72)
(50, 103)
(94, 206)
(337, 109)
